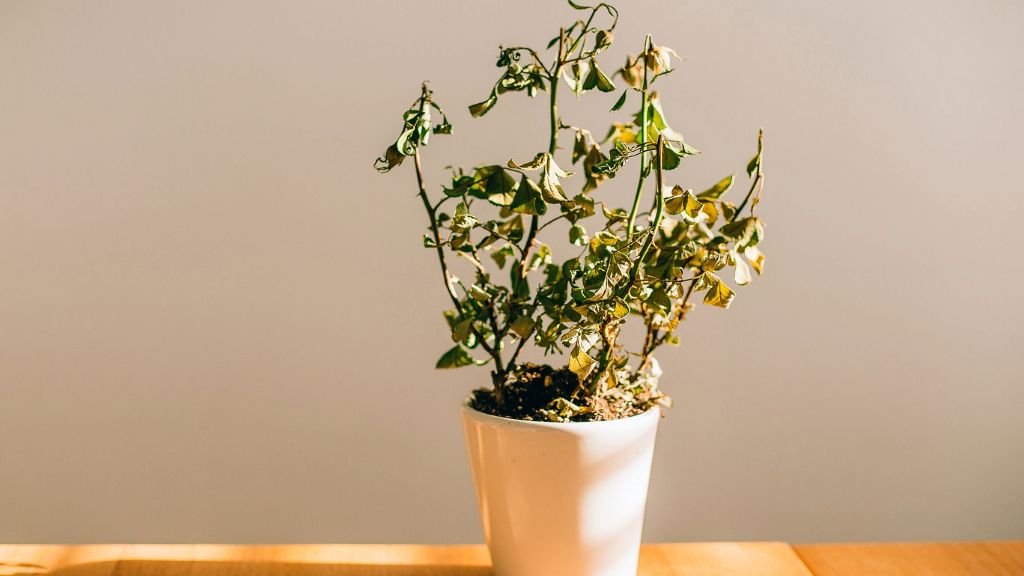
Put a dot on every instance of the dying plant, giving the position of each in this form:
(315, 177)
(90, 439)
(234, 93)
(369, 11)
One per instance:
(650, 265)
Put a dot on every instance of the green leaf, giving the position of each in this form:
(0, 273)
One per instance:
(660, 301)
(451, 317)
(716, 191)
(501, 187)
(481, 108)
(728, 210)
(578, 235)
(462, 330)
(539, 257)
(597, 79)
(746, 232)
(670, 159)
(463, 220)
(501, 255)
(580, 145)
(528, 198)
(621, 101)
(754, 165)
(457, 357)
(523, 326)
(479, 294)
(444, 127)
(718, 294)
(428, 241)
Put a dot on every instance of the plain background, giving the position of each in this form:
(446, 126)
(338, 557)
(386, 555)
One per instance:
(217, 322)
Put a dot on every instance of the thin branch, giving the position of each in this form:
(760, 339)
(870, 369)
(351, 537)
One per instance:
(441, 257)
(758, 178)
(659, 212)
(553, 220)
(643, 140)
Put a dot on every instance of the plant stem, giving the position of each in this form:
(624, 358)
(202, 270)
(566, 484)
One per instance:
(659, 210)
(657, 339)
(753, 186)
(609, 340)
(631, 227)
(552, 147)
(447, 277)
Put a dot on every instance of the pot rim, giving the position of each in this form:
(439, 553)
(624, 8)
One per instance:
(505, 422)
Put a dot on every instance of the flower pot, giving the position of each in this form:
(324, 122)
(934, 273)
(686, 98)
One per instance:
(561, 499)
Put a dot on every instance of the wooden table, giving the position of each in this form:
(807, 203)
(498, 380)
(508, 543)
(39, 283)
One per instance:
(697, 559)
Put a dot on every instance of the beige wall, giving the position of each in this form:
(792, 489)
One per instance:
(217, 322)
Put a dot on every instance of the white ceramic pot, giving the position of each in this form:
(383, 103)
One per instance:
(561, 499)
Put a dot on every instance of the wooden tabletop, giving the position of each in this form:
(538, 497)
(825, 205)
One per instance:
(696, 559)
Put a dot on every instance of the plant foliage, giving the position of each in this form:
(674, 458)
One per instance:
(652, 266)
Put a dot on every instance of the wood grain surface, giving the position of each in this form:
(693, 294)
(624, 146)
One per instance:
(694, 559)
(719, 559)
(946, 559)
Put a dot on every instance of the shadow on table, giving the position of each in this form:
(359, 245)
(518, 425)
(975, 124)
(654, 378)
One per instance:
(239, 568)
(21, 569)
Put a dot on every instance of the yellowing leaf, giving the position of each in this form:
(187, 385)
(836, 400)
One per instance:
(711, 211)
(683, 202)
(534, 164)
(623, 132)
(481, 108)
(479, 293)
(742, 273)
(621, 308)
(461, 330)
(719, 294)
(523, 326)
(716, 191)
(580, 363)
(756, 258)
(550, 187)
(528, 198)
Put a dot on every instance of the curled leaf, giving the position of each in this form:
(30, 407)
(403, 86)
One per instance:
(659, 59)
(633, 71)
(528, 198)
(755, 257)
(682, 202)
(742, 273)
(621, 101)
(550, 186)
(580, 363)
(597, 79)
(718, 294)
(537, 162)
(479, 109)
(717, 190)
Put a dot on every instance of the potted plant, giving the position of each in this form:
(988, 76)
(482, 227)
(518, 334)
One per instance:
(561, 452)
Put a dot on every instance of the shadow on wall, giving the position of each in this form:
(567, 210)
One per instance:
(228, 568)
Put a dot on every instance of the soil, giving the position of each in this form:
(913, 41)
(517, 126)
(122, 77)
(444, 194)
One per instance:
(532, 392)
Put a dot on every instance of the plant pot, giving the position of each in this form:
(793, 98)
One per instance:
(561, 499)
